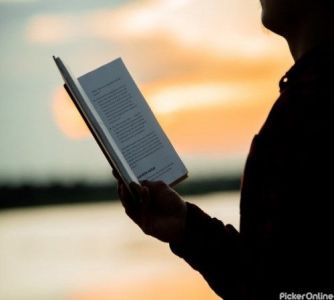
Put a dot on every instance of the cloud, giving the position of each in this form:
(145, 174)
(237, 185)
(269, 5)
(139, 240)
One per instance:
(184, 53)
(183, 96)
(211, 24)
(216, 25)
(176, 35)
(168, 31)
(52, 29)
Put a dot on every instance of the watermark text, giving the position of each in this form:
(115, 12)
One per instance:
(305, 296)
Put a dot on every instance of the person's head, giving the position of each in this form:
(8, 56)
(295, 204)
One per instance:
(284, 17)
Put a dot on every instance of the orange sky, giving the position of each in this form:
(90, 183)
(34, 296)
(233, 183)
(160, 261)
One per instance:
(222, 117)
(209, 72)
(182, 285)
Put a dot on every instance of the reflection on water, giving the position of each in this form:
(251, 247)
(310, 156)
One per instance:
(93, 251)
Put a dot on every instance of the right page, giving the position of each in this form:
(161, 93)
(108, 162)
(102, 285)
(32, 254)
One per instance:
(131, 123)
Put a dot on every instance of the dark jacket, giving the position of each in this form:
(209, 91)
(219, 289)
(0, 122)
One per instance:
(286, 233)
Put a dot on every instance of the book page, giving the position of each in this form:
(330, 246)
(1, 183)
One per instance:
(96, 125)
(131, 123)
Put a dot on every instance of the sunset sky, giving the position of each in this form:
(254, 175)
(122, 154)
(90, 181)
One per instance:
(208, 69)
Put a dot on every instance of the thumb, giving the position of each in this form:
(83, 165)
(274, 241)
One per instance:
(142, 193)
(145, 198)
(136, 190)
(146, 211)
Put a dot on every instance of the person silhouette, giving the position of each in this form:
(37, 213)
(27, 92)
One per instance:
(286, 222)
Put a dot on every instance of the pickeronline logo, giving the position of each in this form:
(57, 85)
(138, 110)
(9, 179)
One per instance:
(306, 296)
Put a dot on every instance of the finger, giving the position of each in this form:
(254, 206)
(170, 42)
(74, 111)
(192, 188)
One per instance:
(132, 206)
(136, 190)
(125, 195)
(156, 187)
(116, 174)
(122, 191)
(146, 211)
(146, 199)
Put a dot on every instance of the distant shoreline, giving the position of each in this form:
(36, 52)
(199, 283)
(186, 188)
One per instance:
(27, 195)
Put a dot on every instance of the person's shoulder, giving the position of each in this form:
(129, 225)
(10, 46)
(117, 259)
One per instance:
(300, 110)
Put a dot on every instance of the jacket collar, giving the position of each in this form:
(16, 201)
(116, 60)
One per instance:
(318, 62)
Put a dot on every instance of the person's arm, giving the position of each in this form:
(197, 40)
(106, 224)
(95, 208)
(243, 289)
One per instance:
(205, 243)
(213, 249)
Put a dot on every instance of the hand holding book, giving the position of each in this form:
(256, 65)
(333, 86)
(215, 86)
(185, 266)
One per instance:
(160, 211)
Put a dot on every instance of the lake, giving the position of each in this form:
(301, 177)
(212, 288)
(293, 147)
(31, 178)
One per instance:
(93, 251)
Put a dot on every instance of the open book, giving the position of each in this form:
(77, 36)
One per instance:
(123, 124)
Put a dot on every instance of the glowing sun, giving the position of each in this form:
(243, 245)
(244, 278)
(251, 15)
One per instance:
(67, 117)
